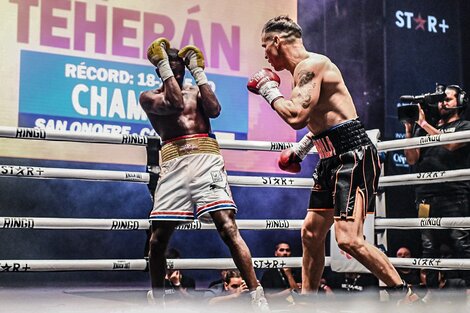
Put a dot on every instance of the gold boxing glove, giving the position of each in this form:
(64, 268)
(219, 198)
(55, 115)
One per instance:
(156, 53)
(194, 60)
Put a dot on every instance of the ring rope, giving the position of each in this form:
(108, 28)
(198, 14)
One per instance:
(417, 142)
(7, 266)
(431, 263)
(140, 177)
(424, 178)
(69, 173)
(54, 135)
(42, 134)
(423, 223)
(243, 224)
(270, 181)
(133, 224)
(248, 181)
(72, 265)
(138, 264)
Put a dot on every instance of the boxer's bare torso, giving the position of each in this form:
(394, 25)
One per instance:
(191, 119)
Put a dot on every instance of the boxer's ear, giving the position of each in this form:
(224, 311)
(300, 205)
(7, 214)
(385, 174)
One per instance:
(276, 40)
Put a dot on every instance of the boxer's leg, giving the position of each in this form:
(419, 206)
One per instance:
(350, 238)
(224, 220)
(314, 230)
(161, 234)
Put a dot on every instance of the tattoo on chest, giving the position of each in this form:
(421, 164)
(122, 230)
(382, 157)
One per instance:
(305, 77)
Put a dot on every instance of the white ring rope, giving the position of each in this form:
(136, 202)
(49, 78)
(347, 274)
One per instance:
(133, 224)
(248, 181)
(231, 144)
(138, 264)
(270, 181)
(424, 178)
(42, 134)
(69, 173)
(431, 263)
(417, 142)
(423, 223)
(243, 224)
(140, 177)
(8, 266)
(54, 135)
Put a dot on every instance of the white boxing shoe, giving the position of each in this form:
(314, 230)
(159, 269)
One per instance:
(258, 300)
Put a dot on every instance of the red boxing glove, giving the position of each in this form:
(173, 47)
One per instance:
(289, 161)
(265, 83)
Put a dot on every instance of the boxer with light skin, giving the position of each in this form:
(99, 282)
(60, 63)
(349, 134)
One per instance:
(193, 180)
(346, 177)
(234, 287)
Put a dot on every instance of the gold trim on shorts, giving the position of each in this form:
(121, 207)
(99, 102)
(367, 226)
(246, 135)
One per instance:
(187, 146)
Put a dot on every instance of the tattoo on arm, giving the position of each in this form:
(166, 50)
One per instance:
(305, 78)
(306, 99)
(304, 94)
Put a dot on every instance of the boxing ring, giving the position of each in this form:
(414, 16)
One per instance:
(151, 175)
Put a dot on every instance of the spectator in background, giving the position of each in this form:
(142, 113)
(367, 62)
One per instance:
(219, 283)
(359, 282)
(280, 282)
(177, 286)
(233, 288)
(410, 275)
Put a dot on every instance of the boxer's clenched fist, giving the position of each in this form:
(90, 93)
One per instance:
(265, 83)
(288, 161)
(156, 53)
(194, 60)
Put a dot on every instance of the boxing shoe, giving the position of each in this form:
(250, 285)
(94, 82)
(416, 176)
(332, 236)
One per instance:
(305, 300)
(159, 303)
(403, 294)
(258, 300)
(409, 298)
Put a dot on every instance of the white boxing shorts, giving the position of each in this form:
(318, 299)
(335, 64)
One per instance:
(193, 181)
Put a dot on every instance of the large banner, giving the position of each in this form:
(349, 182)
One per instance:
(422, 46)
(80, 66)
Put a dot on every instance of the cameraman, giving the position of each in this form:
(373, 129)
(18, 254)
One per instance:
(448, 199)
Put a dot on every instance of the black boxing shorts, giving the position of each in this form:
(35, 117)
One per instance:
(349, 166)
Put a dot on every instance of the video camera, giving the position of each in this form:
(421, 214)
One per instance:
(408, 109)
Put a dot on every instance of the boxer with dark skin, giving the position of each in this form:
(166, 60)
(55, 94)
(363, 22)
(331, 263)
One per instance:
(180, 114)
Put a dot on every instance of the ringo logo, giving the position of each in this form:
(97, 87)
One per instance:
(408, 20)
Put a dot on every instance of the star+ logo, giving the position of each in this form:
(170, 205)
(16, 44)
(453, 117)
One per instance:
(431, 24)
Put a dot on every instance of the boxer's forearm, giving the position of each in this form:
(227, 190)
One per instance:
(291, 113)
